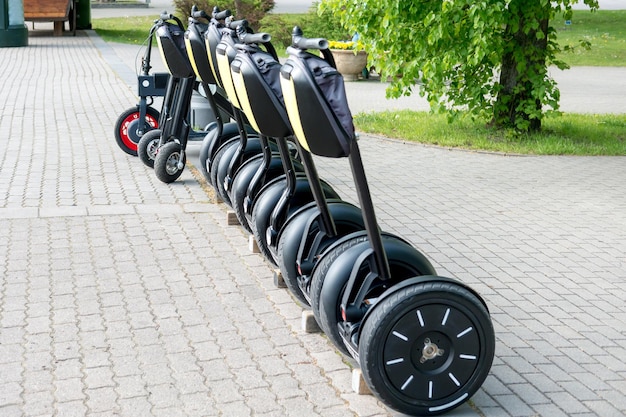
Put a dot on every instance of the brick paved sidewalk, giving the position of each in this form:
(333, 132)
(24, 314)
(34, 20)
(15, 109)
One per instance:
(121, 295)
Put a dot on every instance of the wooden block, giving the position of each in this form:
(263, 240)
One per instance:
(231, 218)
(279, 281)
(58, 29)
(254, 247)
(309, 324)
(358, 383)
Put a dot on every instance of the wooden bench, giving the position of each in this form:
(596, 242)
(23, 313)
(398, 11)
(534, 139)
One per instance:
(57, 11)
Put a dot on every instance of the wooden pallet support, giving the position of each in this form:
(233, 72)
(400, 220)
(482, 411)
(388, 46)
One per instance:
(309, 324)
(231, 218)
(358, 383)
(252, 245)
(279, 280)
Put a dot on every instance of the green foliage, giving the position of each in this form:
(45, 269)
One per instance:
(251, 10)
(323, 23)
(277, 26)
(487, 57)
(314, 24)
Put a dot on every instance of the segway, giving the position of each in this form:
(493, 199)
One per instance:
(222, 129)
(255, 74)
(256, 78)
(425, 343)
(233, 154)
(240, 168)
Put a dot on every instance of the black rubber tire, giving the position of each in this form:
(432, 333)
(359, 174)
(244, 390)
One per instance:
(266, 201)
(347, 219)
(455, 327)
(244, 177)
(211, 143)
(319, 276)
(166, 162)
(288, 247)
(239, 189)
(329, 282)
(203, 154)
(216, 160)
(253, 148)
(126, 125)
(148, 146)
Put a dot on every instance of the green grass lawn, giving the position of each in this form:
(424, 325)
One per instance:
(604, 29)
(568, 134)
(130, 29)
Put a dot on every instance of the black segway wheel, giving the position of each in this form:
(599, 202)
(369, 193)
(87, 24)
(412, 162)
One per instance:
(217, 158)
(330, 279)
(243, 179)
(347, 219)
(321, 270)
(253, 148)
(212, 142)
(240, 188)
(148, 146)
(169, 162)
(203, 154)
(127, 126)
(427, 348)
(266, 202)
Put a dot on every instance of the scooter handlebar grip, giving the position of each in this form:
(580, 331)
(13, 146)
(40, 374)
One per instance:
(235, 23)
(249, 38)
(310, 43)
(199, 14)
(221, 15)
(300, 42)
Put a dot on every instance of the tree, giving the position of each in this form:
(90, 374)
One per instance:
(487, 57)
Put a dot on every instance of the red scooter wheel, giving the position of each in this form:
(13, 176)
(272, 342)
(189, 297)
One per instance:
(127, 127)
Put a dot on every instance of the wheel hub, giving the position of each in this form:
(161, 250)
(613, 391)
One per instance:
(153, 148)
(172, 164)
(430, 351)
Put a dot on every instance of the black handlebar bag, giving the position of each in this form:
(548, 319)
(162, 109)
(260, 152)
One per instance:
(256, 78)
(171, 40)
(316, 102)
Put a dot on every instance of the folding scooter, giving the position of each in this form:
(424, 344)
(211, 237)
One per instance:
(128, 128)
(424, 343)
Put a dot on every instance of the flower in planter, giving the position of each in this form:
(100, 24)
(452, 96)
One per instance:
(350, 58)
(346, 45)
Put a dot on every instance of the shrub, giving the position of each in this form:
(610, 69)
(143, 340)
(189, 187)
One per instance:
(325, 25)
(278, 27)
(251, 10)
(313, 25)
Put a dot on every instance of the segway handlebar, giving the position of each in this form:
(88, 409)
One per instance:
(233, 24)
(165, 16)
(250, 38)
(217, 15)
(300, 42)
(199, 14)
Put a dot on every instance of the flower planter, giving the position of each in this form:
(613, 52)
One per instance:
(349, 63)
